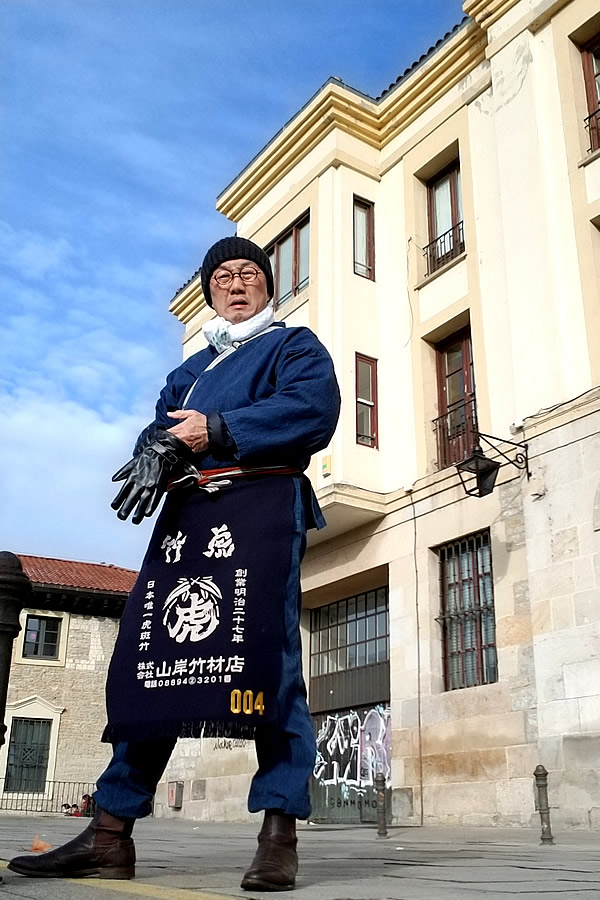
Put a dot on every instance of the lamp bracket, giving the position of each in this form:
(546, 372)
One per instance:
(520, 459)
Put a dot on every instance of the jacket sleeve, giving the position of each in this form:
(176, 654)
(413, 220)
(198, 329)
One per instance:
(172, 396)
(300, 416)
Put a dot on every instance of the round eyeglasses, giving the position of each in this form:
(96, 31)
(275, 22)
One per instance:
(224, 278)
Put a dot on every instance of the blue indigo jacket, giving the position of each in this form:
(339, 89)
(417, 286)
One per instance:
(277, 394)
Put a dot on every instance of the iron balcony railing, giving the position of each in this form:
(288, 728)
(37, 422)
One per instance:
(456, 432)
(51, 797)
(445, 247)
(592, 123)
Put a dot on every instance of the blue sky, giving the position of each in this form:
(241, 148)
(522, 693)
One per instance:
(122, 120)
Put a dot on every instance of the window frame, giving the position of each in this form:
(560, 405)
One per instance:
(273, 249)
(369, 207)
(41, 637)
(33, 707)
(455, 621)
(452, 448)
(592, 121)
(15, 769)
(373, 405)
(435, 260)
(324, 653)
(58, 660)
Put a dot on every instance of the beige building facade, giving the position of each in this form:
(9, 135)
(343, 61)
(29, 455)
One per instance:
(55, 710)
(443, 242)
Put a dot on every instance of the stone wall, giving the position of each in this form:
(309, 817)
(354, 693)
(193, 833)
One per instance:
(78, 687)
(216, 774)
(563, 541)
(462, 756)
(473, 751)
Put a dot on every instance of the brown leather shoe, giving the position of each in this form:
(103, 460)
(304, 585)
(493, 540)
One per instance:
(104, 848)
(276, 862)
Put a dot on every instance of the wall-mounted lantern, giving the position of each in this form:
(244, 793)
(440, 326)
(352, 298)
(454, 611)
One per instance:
(485, 469)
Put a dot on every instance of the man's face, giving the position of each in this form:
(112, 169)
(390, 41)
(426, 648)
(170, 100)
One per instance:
(239, 300)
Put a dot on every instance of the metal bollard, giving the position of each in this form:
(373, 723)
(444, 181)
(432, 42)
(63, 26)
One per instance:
(541, 779)
(381, 812)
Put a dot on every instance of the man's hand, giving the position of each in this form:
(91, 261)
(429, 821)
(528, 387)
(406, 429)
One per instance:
(191, 429)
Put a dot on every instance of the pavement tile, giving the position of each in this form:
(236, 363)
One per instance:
(183, 860)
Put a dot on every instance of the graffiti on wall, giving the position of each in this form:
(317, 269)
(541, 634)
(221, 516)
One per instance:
(351, 752)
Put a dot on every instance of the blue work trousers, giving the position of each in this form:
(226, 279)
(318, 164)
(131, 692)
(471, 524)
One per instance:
(286, 754)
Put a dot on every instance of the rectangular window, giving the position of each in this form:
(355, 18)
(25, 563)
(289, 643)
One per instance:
(28, 752)
(290, 259)
(350, 633)
(467, 612)
(42, 637)
(364, 238)
(366, 401)
(456, 426)
(590, 57)
(445, 216)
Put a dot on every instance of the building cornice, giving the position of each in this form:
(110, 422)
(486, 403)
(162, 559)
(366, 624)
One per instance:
(486, 12)
(453, 62)
(188, 301)
(374, 122)
(333, 107)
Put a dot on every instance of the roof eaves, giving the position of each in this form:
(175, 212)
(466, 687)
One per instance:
(348, 87)
(62, 588)
(337, 81)
(333, 79)
(423, 59)
(189, 281)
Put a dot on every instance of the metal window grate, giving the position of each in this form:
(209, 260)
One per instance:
(592, 124)
(444, 248)
(456, 432)
(350, 633)
(467, 612)
(28, 755)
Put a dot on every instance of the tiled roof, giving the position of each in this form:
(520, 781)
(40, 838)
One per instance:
(81, 575)
(189, 281)
(424, 57)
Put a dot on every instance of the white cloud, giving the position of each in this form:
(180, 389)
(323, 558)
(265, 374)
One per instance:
(56, 463)
(32, 255)
(123, 123)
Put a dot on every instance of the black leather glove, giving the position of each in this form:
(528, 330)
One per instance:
(147, 437)
(146, 476)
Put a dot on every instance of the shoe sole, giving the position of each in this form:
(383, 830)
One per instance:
(111, 872)
(258, 885)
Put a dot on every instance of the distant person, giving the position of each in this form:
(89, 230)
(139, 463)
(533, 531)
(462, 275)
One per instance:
(75, 811)
(209, 642)
(87, 805)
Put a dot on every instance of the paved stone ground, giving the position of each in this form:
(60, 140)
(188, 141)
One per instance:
(185, 860)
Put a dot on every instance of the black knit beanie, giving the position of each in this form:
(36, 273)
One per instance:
(234, 248)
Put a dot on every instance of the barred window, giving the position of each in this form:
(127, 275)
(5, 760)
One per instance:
(350, 633)
(467, 612)
(28, 752)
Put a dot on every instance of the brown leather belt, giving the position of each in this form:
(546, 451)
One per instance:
(202, 477)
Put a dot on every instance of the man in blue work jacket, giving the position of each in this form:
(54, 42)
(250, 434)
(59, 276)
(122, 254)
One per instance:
(209, 643)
